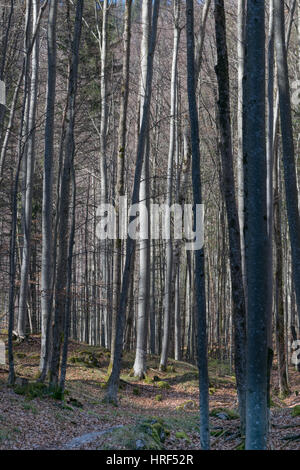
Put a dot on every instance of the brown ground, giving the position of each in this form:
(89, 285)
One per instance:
(46, 423)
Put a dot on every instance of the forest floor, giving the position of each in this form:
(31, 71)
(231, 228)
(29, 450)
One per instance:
(160, 412)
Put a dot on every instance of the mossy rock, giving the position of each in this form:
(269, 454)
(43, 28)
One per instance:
(296, 411)
(187, 405)
(224, 413)
(148, 379)
(212, 390)
(163, 385)
(158, 397)
(182, 435)
(87, 358)
(74, 359)
(156, 428)
(148, 434)
(31, 390)
(74, 402)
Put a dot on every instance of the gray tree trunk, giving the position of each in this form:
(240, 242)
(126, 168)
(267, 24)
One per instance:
(113, 382)
(121, 165)
(64, 261)
(288, 152)
(139, 366)
(240, 169)
(239, 311)
(47, 238)
(199, 278)
(256, 234)
(168, 298)
(30, 159)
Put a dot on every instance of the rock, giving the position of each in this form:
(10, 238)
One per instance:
(74, 402)
(21, 381)
(140, 444)
(222, 416)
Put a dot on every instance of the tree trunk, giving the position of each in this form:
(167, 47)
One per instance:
(113, 382)
(30, 158)
(139, 367)
(288, 153)
(239, 313)
(199, 254)
(256, 234)
(64, 261)
(168, 298)
(47, 242)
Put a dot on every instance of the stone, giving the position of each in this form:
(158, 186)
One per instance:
(140, 444)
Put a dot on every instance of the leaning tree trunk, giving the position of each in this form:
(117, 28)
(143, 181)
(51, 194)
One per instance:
(239, 311)
(256, 234)
(199, 254)
(64, 261)
(113, 382)
(279, 296)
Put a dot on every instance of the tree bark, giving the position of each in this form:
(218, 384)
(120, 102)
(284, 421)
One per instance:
(199, 285)
(256, 234)
(113, 382)
(239, 311)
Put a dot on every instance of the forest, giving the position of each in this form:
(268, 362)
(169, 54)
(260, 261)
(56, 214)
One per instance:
(150, 225)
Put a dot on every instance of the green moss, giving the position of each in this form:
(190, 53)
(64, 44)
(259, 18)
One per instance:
(241, 446)
(231, 414)
(182, 435)
(296, 411)
(133, 438)
(216, 432)
(148, 379)
(31, 390)
(187, 405)
(74, 359)
(35, 356)
(163, 385)
(56, 393)
(156, 428)
(158, 397)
